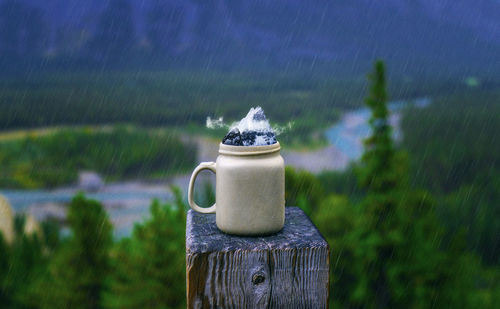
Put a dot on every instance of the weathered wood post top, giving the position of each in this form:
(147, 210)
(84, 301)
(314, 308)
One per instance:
(285, 270)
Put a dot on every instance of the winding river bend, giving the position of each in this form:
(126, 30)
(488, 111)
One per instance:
(346, 139)
(128, 202)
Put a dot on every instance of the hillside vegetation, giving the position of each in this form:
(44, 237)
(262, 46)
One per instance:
(455, 153)
(55, 158)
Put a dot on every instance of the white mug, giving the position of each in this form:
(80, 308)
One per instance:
(250, 189)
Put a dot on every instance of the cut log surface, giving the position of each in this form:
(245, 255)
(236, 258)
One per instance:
(285, 270)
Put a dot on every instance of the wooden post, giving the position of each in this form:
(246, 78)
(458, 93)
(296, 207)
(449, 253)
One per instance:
(286, 270)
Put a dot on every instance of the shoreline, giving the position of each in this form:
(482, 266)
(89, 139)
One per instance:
(127, 202)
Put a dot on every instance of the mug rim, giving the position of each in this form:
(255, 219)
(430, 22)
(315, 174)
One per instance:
(248, 150)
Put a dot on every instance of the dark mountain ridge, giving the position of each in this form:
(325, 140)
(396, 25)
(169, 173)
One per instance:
(460, 36)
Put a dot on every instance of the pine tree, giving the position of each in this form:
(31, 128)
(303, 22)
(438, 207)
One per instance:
(387, 250)
(149, 267)
(21, 262)
(379, 171)
(4, 268)
(78, 271)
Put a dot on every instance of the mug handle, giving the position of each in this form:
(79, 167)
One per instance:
(203, 166)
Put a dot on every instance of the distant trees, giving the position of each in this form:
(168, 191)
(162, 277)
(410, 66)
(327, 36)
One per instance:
(4, 269)
(55, 159)
(387, 245)
(388, 248)
(77, 272)
(149, 267)
(455, 153)
(401, 264)
(88, 270)
(303, 190)
(22, 262)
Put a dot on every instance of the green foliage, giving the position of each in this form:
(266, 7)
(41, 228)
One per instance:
(455, 155)
(392, 246)
(149, 267)
(302, 189)
(21, 264)
(307, 129)
(454, 140)
(55, 159)
(335, 218)
(4, 268)
(470, 209)
(173, 99)
(146, 270)
(378, 172)
(393, 262)
(388, 249)
(342, 182)
(399, 260)
(183, 99)
(51, 235)
(78, 270)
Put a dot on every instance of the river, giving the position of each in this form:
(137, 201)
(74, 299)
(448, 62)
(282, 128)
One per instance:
(346, 139)
(128, 202)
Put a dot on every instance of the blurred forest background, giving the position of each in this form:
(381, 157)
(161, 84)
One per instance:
(120, 88)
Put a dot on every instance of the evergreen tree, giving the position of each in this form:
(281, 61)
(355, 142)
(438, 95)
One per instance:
(387, 249)
(25, 262)
(149, 267)
(381, 168)
(400, 258)
(78, 271)
(4, 268)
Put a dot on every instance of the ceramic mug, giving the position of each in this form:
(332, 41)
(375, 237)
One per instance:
(250, 189)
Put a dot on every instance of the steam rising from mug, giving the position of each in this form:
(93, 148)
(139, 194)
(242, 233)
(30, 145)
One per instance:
(253, 130)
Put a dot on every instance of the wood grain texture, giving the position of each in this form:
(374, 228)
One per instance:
(285, 270)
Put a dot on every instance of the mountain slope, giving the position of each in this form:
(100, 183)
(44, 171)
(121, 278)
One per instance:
(422, 35)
